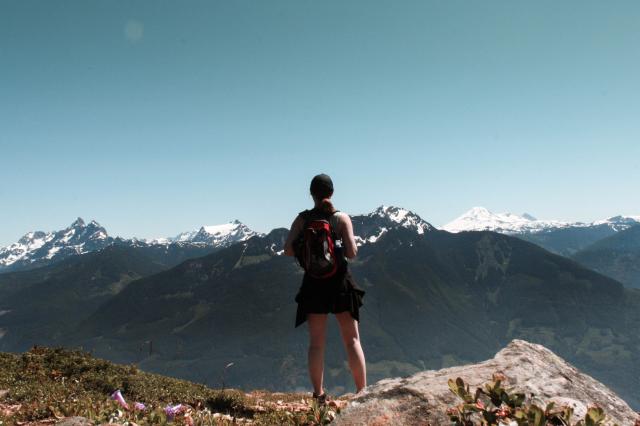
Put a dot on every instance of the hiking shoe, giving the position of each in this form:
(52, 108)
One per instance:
(321, 399)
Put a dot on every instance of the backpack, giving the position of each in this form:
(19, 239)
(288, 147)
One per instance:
(317, 252)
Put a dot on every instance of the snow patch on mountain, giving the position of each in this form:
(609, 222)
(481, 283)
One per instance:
(371, 239)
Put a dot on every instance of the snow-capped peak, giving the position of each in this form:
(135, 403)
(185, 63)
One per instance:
(223, 235)
(368, 228)
(38, 246)
(478, 212)
(223, 229)
(218, 235)
(32, 237)
(396, 214)
(402, 217)
(78, 223)
(619, 223)
(481, 219)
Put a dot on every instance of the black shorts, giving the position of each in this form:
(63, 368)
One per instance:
(334, 295)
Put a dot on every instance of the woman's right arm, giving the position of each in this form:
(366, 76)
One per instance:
(294, 232)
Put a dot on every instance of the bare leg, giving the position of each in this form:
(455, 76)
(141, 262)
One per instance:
(317, 335)
(355, 356)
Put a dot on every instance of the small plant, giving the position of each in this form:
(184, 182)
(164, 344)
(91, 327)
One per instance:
(319, 414)
(493, 405)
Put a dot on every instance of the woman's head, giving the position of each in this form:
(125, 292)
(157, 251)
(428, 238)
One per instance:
(321, 190)
(321, 187)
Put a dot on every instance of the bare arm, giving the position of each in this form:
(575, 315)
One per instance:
(294, 232)
(348, 239)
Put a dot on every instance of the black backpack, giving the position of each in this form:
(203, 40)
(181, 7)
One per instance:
(316, 247)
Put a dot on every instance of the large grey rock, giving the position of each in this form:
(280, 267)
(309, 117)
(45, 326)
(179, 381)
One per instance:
(422, 399)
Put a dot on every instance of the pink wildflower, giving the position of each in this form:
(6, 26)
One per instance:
(117, 396)
(188, 420)
(172, 410)
(503, 412)
(452, 411)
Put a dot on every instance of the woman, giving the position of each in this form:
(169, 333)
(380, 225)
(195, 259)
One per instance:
(337, 294)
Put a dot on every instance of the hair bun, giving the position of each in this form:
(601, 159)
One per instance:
(327, 206)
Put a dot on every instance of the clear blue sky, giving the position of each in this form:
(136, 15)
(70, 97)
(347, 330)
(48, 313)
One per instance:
(154, 117)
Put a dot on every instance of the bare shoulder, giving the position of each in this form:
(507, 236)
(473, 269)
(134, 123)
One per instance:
(344, 221)
(343, 217)
(298, 222)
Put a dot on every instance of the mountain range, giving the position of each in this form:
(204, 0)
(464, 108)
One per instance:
(481, 219)
(38, 248)
(577, 240)
(565, 238)
(66, 289)
(433, 299)
(216, 235)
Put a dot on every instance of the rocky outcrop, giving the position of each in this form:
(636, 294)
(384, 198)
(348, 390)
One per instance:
(423, 398)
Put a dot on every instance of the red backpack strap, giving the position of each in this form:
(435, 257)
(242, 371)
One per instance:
(309, 215)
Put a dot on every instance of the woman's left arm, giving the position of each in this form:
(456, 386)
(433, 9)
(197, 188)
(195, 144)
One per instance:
(294, 232)
(348, 239)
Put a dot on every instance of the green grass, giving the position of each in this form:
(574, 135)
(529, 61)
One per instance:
(53, 383)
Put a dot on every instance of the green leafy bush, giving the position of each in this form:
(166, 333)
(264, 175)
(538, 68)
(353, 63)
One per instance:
(493, 405)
